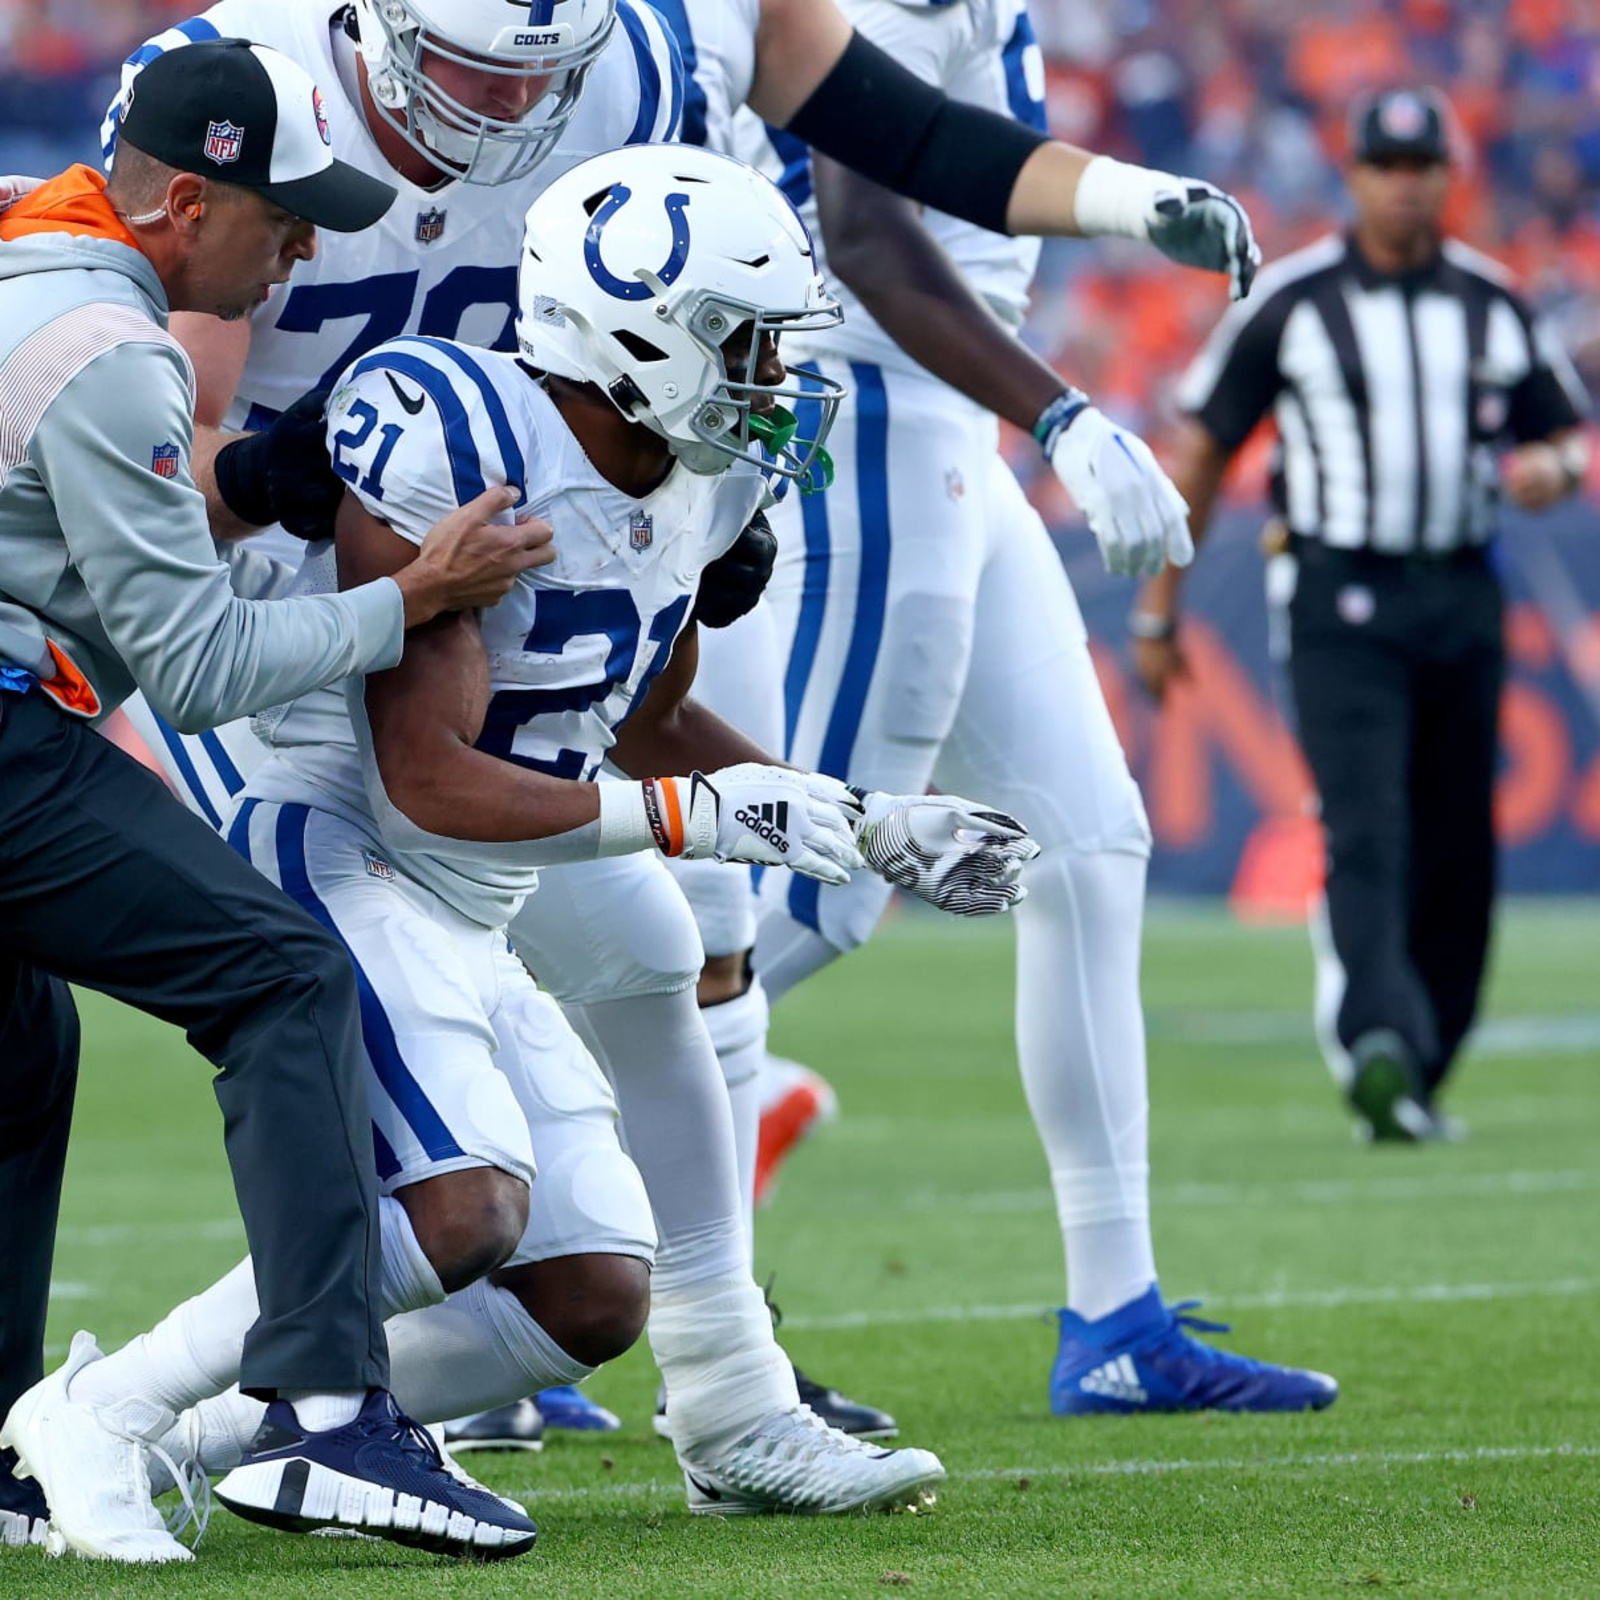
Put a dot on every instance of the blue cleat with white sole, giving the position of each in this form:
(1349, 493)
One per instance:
(569, 1409)
(380, 1475)
(1143, 1357)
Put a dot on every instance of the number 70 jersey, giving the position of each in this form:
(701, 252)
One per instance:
(421, 426)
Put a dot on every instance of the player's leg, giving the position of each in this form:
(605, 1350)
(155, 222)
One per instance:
(1353, 691)
(207, 770)
(1033, 736)
(38, 1075)
(1453, 855)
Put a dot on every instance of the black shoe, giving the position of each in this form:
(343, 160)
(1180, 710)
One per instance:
(1386, 1092)
(518, 1426)
(380, 1475)
(841, 1412)
(24, 1515)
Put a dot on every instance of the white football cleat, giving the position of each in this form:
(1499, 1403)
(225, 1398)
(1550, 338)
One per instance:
(92, 1466)
(795, 1463)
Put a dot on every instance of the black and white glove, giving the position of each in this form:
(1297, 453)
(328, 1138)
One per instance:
(962, 858)
(1137, 518)
(768, 816)
(283, 474)
(731, 585)
(1187, 219)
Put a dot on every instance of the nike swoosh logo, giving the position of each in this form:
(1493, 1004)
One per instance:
(413, 406)
(704, 1488)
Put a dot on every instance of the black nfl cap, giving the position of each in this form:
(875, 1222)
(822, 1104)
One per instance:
(1398, 123)
(243, 114)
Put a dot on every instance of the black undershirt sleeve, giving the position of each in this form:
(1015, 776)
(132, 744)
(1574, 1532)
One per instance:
(872, 115)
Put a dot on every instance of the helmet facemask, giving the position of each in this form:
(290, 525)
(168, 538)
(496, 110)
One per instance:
(475, 146)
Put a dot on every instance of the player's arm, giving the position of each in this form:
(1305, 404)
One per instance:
(824, 82)
(879, 246)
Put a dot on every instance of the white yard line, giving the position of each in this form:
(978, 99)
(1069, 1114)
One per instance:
(1272, 1300)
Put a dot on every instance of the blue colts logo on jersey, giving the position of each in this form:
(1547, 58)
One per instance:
(668, 273)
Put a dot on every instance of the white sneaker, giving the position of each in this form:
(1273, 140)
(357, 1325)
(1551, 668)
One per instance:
(92, 1465)
(794, 1462)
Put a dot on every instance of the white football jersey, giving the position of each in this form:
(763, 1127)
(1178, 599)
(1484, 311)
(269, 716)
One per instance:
(420, 426)
(443, 261)
(717, 39)
(983, 52)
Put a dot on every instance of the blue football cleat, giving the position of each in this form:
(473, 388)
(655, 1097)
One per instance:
(567, 1407)
(1142, 1357)
(380, 1475)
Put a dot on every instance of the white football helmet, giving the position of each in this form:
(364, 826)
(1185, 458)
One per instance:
(557, 40)
(641, 265)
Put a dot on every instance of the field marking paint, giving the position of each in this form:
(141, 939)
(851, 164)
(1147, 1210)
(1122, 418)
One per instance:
(1272, 1300)
(1572, 1033)
(1156, 1467)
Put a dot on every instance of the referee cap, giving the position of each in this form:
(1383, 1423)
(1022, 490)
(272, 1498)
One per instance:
(246, 115)
(1398, 123)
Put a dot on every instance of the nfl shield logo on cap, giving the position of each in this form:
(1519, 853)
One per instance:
(223, 142)
(430, 225)
(164, 461)
(641, 530)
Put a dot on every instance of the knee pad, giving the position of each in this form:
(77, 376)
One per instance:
(723, 901)
(609, 930)
(735, 1025)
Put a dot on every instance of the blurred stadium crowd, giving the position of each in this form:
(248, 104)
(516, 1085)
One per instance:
(1252, 94)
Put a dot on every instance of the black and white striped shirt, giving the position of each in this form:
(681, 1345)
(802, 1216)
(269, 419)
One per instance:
(1392, 394)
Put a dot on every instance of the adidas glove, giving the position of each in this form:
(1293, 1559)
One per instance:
(283, 474)
(768, 816)
(1188, 220)
(1138, 519)
(731, 585)
(957, 856)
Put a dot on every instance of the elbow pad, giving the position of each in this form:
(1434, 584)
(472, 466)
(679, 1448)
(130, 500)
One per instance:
(884, 122)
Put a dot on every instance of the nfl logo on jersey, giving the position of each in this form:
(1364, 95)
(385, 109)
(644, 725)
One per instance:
(164, 461)
(223, 141)
(430, 224)
(641, 530)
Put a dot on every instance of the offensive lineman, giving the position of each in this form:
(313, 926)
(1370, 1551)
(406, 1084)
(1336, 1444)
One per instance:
(351, 817)
(928, 632)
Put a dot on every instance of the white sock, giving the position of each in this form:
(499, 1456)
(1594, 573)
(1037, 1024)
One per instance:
(318, 1410)
(191, 1354)
(1080, 1041)
(476, 1350)
(738, 1030)
(724, 1370)
(407, 1281)
(678, 1127)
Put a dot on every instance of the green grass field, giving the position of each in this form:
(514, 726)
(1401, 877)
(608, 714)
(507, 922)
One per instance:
(1453, 1291)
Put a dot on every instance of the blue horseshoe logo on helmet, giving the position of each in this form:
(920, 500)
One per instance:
(634, 288)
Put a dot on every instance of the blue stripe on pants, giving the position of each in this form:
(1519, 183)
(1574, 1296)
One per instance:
(872, 593)
(376, 1032)
(173, 740)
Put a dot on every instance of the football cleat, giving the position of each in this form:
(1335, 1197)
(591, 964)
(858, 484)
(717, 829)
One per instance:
(795, 1101)
(91, 1466)
(518, 1426)
(567, 1407)
(381, 1474)
(795, 1463)
(24, 1511)
(1141, 1357)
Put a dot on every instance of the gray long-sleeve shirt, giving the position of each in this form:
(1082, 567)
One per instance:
(105, 548)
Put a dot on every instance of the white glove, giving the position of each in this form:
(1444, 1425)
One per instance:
(1187, 219)
(772, 817)
(960, 857)
(13, 186)
(1138, 519)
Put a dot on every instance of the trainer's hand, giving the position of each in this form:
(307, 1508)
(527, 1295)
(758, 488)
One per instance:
(469, 559)
(13, 186)
(1158, 664)
(772, 817)
(1533, 477)
(1138, 519)
(962, 858)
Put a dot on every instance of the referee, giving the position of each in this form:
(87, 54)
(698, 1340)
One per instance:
(1410, 387)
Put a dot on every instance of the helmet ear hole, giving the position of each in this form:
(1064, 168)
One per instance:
(639, 348)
